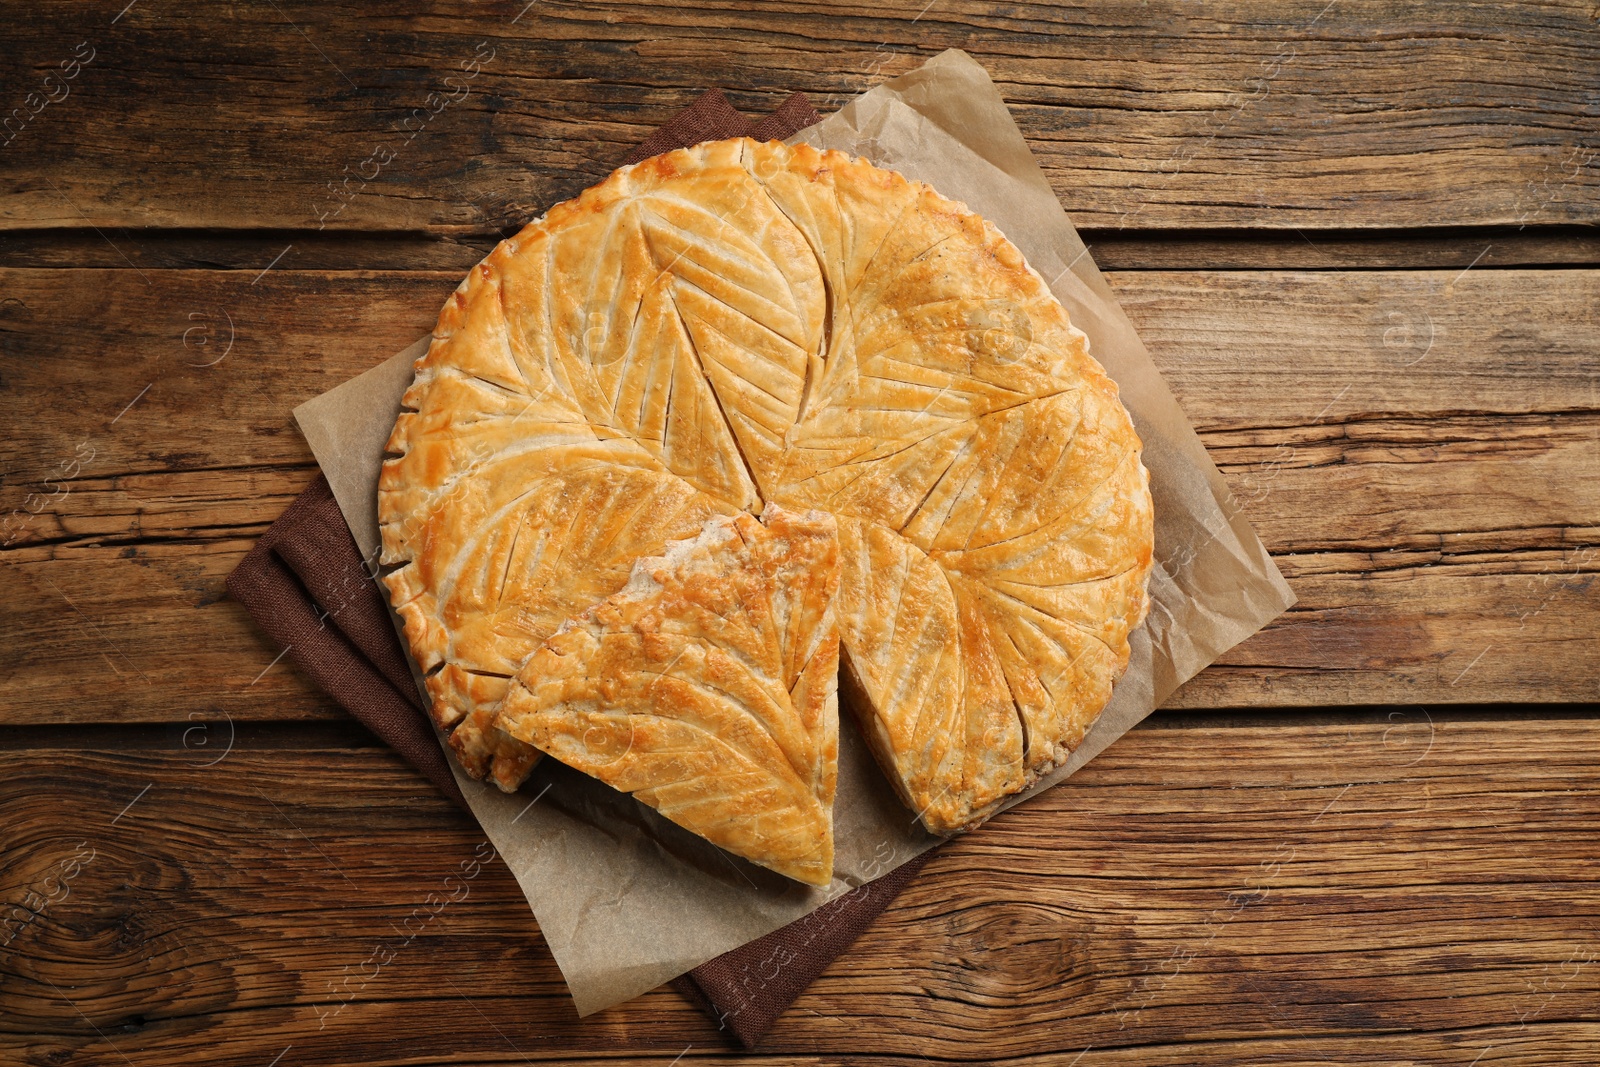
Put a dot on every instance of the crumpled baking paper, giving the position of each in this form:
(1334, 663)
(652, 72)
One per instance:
(626, 899)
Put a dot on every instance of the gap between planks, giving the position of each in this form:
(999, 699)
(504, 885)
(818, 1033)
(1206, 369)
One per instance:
(457, 248)
(348, 735)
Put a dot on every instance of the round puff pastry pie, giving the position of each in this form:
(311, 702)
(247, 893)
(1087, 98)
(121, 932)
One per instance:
(725, 327)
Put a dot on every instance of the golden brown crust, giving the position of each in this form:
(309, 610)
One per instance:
(707, 689)
(738, 323)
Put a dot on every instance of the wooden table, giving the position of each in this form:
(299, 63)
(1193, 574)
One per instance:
(1359, 240)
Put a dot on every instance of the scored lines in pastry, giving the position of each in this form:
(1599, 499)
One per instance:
(708, 688)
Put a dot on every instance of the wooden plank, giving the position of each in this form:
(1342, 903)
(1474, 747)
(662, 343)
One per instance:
(119, 634)
(1301, 349)
(115, 635)
(1145, 116)
(1207, 891)
(1436, 509)
(1273, 351)
(207, 365)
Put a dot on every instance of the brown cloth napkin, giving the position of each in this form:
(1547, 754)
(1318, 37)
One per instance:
(307, 586)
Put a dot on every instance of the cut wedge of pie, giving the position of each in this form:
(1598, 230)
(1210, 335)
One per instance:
(739, 324)
(707, 688)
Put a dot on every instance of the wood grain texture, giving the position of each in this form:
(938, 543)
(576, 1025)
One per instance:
(1426, 474)
(1332, 223)
(1145, 116)
(1207, 891)
(141, 466)
(1420, 451)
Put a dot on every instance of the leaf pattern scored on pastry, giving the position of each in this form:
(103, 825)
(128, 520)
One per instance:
(723, 327)
(707, 688)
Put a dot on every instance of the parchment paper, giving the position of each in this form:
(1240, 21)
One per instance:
(627, 900)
